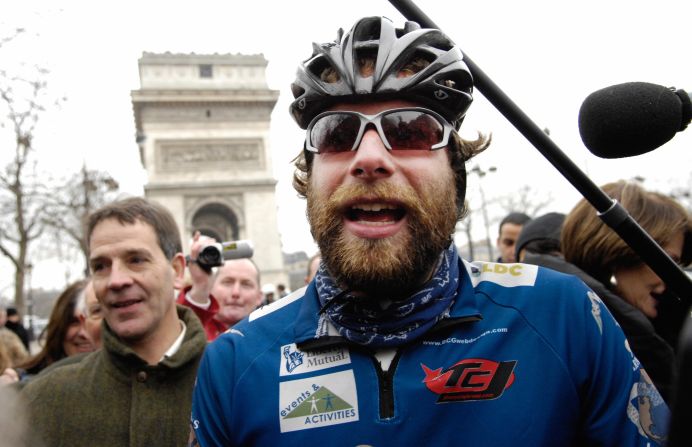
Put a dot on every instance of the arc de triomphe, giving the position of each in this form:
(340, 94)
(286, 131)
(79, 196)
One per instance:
(203, 133)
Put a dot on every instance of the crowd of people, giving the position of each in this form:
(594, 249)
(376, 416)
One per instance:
(568, 338)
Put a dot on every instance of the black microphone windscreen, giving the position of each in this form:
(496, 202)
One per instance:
(629, 119)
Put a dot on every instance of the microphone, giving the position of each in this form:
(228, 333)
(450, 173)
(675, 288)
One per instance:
(632, 118)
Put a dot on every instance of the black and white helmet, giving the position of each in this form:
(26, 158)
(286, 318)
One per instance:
(445, 85)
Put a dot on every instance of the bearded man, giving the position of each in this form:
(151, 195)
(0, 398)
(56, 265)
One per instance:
(397, 340)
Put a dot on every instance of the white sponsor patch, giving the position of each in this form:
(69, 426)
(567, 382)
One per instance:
(295, 361)
(507, 275)
(318, 401)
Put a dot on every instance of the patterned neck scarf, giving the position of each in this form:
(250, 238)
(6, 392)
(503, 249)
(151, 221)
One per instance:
(364, 321)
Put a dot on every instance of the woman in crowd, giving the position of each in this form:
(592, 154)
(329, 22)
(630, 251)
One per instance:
(64, 335)
(637, 295)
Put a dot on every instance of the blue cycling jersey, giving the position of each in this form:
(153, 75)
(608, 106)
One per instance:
(527, 357)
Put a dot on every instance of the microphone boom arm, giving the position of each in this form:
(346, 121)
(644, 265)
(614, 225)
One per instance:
(609, 210)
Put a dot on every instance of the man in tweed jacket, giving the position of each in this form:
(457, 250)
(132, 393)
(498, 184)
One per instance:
(136, 391)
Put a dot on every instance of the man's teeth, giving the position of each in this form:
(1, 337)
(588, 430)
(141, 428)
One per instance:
(375, 223)
(374, 207)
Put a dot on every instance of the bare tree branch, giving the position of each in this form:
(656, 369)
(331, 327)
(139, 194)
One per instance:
(66, 212)
(21, 101)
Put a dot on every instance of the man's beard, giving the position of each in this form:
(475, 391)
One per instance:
(394, 266)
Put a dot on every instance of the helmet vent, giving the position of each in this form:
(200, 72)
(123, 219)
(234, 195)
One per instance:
(297, 90)
(322, 69)
(366, 58)
(368, 31)
(416, 63)
(455, 81)
(421, 55)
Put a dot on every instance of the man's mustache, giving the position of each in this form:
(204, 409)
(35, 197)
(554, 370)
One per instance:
(402, 195)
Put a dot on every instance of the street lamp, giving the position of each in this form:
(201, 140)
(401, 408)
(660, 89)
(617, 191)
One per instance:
(482, 173)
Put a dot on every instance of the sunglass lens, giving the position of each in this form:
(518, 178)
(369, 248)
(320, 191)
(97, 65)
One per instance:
(412, 130)
(335, 133)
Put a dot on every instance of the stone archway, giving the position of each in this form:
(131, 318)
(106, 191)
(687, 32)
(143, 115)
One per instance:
(218, 221)
(203, 138)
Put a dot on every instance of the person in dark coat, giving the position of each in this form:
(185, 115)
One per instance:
(582, 245)
(14, 323)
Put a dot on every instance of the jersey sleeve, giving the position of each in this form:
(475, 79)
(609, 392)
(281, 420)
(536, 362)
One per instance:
(212, 395)
(622, 406)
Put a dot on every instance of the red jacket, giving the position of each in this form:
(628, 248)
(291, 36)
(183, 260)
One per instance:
(212, 327)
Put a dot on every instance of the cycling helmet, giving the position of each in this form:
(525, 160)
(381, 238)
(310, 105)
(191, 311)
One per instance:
(445, 85)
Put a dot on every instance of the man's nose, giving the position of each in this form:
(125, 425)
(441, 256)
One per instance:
(119, 276)
(372, 160)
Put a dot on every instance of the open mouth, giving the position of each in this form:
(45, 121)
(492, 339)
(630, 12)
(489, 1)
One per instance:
(375, 213)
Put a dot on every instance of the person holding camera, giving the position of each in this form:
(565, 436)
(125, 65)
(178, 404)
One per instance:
(220, 299)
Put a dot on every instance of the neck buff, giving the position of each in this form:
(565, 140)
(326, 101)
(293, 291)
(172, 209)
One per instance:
(365, 321)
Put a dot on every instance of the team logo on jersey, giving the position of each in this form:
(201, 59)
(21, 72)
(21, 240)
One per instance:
(293, 358)
(318, 401)
(470, 379)
(507, 275)
(295, 361)
(647, 410)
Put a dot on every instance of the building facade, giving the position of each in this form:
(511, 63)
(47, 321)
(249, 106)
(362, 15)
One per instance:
(203, 133)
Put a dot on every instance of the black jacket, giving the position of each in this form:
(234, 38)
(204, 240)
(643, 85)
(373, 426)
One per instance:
(653, 351)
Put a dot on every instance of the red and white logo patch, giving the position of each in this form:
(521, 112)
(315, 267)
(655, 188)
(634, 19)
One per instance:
(470, 379)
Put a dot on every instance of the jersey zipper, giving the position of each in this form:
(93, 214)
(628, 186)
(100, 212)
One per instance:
(386, 386)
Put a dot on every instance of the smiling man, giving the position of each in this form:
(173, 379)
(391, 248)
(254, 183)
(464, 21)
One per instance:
(397, 340)
(136, 390)
(220, 299)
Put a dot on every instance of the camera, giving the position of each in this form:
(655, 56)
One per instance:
(213, 255)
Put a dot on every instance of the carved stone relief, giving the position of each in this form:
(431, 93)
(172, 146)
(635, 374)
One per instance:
(189, 155)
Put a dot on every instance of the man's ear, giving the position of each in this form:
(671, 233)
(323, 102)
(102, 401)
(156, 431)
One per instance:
(178, 265)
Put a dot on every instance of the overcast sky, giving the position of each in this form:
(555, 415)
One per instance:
(546, 55)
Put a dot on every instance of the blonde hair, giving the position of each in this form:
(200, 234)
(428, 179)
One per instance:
(12, 350)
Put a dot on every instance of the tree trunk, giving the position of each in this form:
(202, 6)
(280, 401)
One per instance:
(19, 301)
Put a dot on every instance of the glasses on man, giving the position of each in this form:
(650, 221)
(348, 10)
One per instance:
(404, 129)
